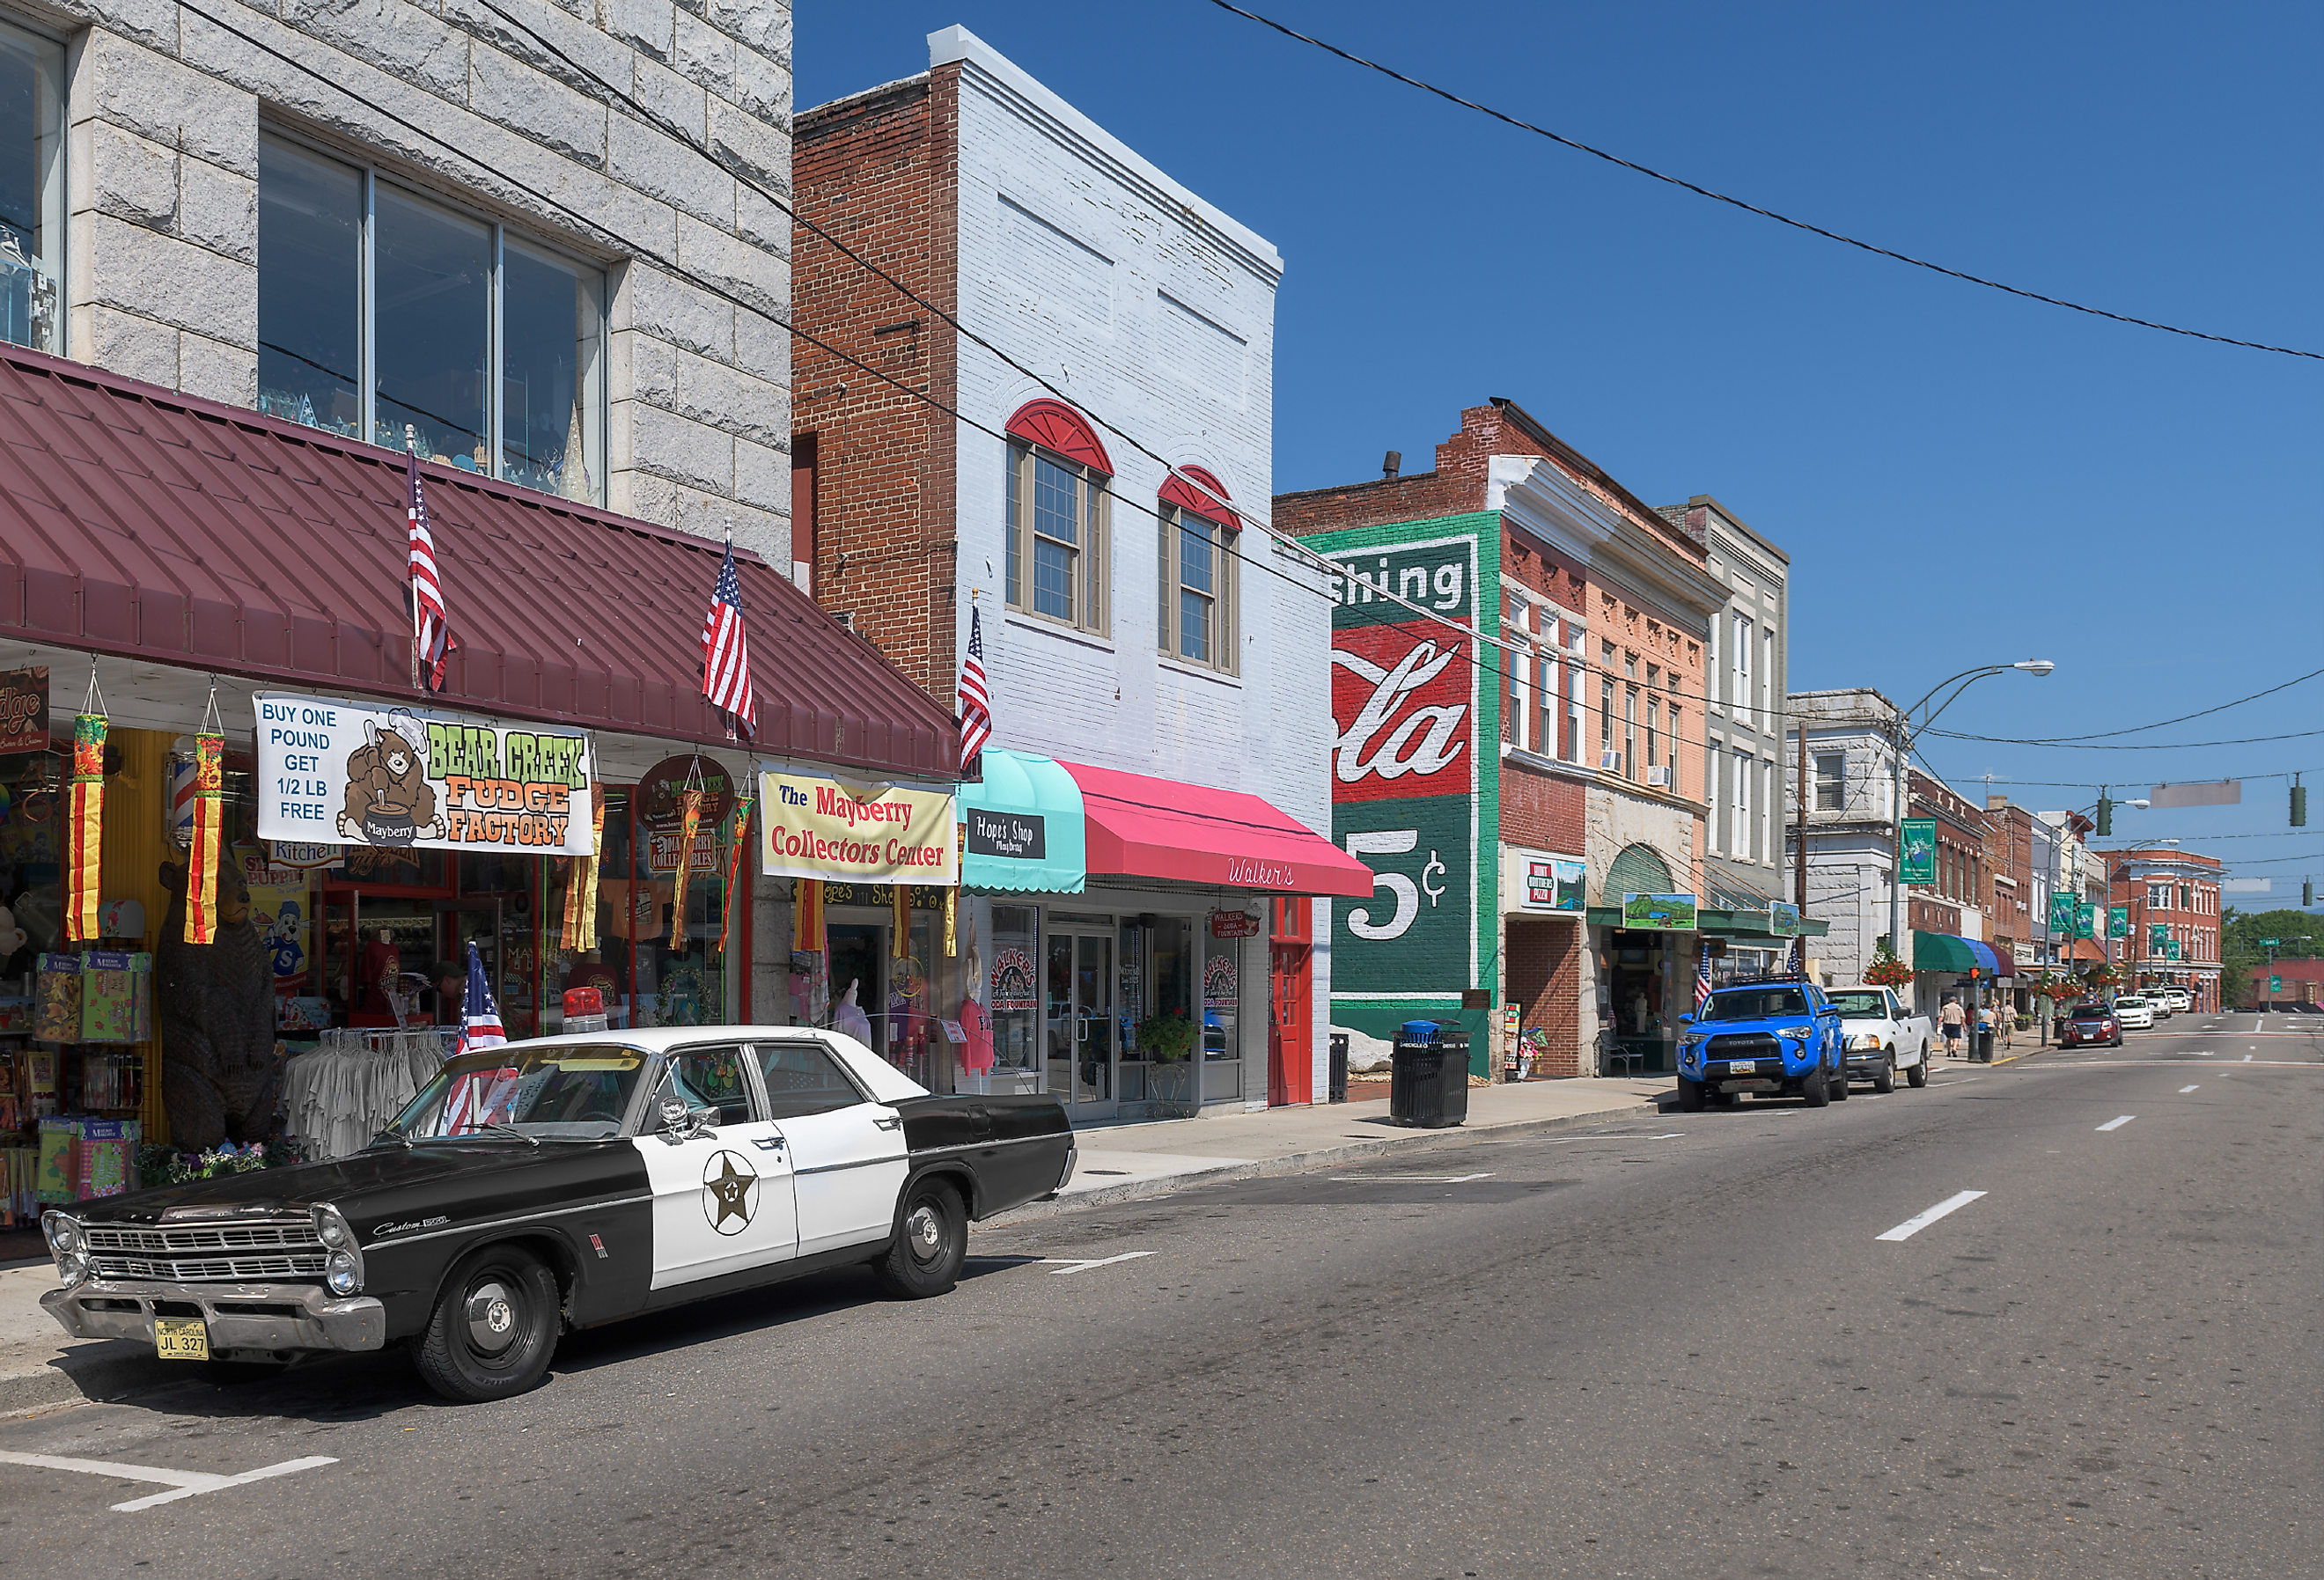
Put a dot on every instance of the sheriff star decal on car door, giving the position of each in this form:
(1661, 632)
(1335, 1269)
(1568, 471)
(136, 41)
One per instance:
(727, 1183)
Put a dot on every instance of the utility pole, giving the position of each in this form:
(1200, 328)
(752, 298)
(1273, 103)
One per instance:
(1800, 866)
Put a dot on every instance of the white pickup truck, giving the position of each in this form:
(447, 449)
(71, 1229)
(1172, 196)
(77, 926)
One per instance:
(1882, 1036)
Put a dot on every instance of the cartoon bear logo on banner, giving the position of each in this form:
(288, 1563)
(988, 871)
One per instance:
(389, 799)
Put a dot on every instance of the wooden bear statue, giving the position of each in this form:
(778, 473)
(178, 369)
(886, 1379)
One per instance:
(214, 1006)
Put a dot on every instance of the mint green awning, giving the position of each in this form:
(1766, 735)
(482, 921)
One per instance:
(1023, 827)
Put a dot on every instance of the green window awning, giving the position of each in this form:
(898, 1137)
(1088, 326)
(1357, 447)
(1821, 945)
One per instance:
(1023, 827)
(1942, 952)
(1635, 869)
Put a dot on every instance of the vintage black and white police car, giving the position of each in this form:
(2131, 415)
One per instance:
(559, 1183)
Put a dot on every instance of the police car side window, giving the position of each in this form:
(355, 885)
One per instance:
(705, 1078)
(803, 1078)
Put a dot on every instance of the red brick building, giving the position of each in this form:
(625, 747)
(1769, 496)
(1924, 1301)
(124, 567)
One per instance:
(2173, 898)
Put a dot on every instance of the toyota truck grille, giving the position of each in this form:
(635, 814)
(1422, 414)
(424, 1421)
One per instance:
(1750, 1046)
(287, 1248)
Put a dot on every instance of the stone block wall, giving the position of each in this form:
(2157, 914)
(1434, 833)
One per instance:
(572, 122)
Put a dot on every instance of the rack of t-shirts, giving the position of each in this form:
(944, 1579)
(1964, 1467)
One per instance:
(343, 1094)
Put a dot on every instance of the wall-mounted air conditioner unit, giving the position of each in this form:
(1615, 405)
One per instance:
(1658, 777)
(1611, 761)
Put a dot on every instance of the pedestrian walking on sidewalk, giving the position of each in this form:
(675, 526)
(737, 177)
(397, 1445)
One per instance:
(1953, 1020)
(2005, 1021)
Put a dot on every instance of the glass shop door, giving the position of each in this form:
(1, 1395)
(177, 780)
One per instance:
(1077, 993)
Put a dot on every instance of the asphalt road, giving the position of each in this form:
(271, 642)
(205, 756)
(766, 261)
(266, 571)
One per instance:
(1673, 1348)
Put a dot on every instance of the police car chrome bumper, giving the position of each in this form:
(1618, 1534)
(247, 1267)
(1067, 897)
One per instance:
(239, 1316)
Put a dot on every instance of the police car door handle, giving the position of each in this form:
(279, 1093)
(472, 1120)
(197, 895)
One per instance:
(889, 1121)
(768, 1144)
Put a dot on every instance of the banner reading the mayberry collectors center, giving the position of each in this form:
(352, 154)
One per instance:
(819, 827)
(1413, 796)
(400, 778)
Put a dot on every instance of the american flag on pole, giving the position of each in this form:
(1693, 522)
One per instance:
(726, 648)
(975, 702)
(480, 1017)
(1701, 977)
(428, 634)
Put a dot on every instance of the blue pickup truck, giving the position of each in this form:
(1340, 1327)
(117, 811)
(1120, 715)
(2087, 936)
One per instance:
(1780, 1038)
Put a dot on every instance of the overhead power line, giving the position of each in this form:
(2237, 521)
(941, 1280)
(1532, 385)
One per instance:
(1702, 192)
(2140, 729)
(2125, 746)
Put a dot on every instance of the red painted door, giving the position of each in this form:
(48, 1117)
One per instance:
(1290, 997)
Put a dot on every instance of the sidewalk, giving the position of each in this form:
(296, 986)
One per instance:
(40, 1366)
(1123, 1162)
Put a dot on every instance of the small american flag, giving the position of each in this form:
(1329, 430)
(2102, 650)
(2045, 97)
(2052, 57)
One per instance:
(975, 702)
(480, 1017)
(427, 587)
(726, 648)
(1701, 978)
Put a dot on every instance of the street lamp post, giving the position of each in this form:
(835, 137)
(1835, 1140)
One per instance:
(1905, 732)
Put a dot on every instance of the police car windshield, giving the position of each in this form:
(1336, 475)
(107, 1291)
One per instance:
(1755, 1003)
(562, 1093)
(1860, 1006)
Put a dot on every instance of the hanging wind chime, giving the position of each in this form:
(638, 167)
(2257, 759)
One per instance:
(210, 819)
(580, 933)
(85, 822)
(738, 835)
(689, 821)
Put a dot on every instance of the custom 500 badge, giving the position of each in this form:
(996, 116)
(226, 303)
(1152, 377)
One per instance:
(728, 1186)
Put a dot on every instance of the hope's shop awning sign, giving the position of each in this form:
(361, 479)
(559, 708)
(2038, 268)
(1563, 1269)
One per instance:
(819, 827)
(397, 777)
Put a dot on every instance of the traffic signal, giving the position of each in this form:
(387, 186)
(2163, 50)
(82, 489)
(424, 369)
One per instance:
(2298, 805)
(2106, 818)
(2307, 892)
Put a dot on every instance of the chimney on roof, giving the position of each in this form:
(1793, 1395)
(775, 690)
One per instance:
(1995, 803)
(1392, 463)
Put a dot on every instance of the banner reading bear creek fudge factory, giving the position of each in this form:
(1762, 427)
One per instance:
(399, 777)
(818, 827)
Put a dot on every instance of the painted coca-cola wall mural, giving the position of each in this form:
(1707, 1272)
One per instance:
(1414, 777)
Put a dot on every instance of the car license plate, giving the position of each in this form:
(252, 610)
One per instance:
(181, 1338)
(1743, 1067)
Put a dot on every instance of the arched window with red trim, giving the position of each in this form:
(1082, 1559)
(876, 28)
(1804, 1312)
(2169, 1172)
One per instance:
(1194, 612)
(1058, 471)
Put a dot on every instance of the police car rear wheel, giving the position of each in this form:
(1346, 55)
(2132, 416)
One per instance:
(494, 1328)
(931, 1243)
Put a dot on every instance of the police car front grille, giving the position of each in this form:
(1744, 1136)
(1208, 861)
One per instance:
(279, 1248)
(211, 1270)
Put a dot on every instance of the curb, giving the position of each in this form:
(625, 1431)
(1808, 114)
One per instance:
(1318, 1157)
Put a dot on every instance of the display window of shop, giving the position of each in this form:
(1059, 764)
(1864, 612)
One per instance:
(32, 189)
(1012, 1000)
(893, 988)
(380, 308)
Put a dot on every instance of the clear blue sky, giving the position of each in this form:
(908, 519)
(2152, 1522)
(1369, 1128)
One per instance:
(1958, 476)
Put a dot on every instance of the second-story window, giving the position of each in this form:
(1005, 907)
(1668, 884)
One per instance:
(1831, 781)
(32, 189)
(1056, 537)
(380, 310)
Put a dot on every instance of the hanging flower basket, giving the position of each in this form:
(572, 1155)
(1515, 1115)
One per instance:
(1887, 971)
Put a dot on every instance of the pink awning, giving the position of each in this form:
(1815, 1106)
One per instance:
(1140, 827)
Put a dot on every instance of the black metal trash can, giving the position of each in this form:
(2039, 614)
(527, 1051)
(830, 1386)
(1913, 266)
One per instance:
(1982, 1049)
(1339, 1086)
(1428, 1080)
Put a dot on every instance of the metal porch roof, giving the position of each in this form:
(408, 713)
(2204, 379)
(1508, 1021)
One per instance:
(142, 524)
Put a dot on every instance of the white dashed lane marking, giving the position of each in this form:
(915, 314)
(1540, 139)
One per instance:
(2118, 1123)
(1060, 1265)
(184, 1484)
(1912, 1226)
(2184, 1090)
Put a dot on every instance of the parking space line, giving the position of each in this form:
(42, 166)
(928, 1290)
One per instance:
(183, 1483)
(1410, 1178)
(1912, 1226)
(2184, 1090)
(1059, 1266)
(2117, 1123)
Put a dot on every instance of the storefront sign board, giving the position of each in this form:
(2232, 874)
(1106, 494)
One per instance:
(819, 827)
(661, 793)
(24, 710)
(1544, 881)
(1670, 913)
(411, 779)
(1783, 918)
(1920, 858)
(1017, 835)
(1233, 924)
(1414, 795)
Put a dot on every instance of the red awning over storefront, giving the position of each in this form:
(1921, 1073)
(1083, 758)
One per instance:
(1140, 827)
(142, 523)
(2087, 950)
